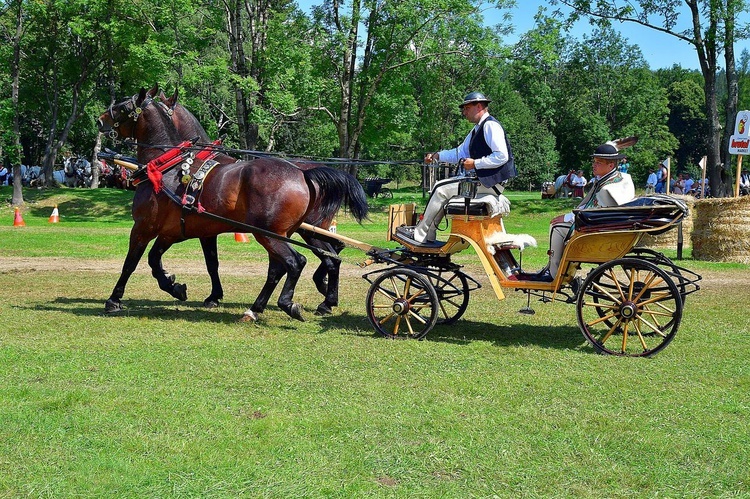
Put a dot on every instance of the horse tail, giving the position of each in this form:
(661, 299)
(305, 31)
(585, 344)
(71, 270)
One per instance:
(334, 188)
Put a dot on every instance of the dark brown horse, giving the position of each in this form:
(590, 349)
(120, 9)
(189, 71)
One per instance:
(272, 195)
(326, 276)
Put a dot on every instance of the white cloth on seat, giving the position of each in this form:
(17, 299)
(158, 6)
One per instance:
(496, 204)
(520, 241)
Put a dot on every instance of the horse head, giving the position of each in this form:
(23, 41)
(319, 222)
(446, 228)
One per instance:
(136, 118)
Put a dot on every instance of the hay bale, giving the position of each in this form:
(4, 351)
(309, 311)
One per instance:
(721, 230)
(669, 239)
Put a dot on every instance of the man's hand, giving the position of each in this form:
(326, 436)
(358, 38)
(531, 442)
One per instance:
(431, 157)
(469, 164)
(557, 220)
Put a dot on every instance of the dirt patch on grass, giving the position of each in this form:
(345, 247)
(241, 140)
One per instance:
(712, 279)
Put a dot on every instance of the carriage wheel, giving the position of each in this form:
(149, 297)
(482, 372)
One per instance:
(452, 290)
(402, 303)
(385, 192)
(629, 307)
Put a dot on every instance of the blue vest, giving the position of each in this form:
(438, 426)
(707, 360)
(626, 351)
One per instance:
(478, 148)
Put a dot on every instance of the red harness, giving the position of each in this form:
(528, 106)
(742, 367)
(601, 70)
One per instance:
(157, 166)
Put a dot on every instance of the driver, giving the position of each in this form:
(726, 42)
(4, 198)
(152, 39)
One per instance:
(485, 150)
(611, 188)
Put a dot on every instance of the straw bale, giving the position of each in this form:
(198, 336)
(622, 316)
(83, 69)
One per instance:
(669, 239)
(721, 230)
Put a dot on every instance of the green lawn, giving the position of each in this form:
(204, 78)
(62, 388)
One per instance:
(169, 399)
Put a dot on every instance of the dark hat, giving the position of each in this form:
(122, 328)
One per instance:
(608, 150)
(474, 97)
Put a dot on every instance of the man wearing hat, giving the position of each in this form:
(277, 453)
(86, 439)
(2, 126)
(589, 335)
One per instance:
(485, 151)
(611, 188)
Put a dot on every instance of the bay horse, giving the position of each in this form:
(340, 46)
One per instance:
(326, 276)
(269, 194)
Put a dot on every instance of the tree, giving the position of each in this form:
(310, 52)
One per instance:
(397, 34)
(10, 142)
(712, 30)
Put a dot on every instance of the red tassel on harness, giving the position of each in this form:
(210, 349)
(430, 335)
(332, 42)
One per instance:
(157, 165)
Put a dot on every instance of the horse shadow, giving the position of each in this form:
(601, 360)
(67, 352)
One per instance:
(193, 311)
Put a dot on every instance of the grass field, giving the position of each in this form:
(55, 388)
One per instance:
(170, 399)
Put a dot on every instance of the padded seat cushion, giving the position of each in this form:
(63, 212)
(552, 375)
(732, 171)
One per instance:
(484, 205)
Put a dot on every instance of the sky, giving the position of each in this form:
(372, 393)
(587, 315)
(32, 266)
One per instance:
(660, 50)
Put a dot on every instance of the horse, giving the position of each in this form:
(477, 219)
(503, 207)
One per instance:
(326, 276)
(562, 187)
(270, 194)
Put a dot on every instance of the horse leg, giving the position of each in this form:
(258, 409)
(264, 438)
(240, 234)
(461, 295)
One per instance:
(166, 281)
(283, 260)
(211, 255)
(326, 276)
(275, 272)
(135, 252)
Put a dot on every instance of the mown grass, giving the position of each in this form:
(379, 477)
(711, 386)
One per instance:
(169, 399)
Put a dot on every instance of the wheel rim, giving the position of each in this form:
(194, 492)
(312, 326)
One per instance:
(629, 307)
(402, 303)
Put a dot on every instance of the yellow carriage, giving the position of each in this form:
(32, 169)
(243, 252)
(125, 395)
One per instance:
(629, 303)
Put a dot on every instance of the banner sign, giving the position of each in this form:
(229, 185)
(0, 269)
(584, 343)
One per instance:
(739, 142)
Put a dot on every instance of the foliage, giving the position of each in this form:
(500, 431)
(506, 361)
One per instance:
(363, 79)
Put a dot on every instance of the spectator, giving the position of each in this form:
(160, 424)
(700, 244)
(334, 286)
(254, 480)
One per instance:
(624, 165)
(579, 182)
(651, 182)
(688, 182)
(745, 183)
(661, 178)
(3, 175)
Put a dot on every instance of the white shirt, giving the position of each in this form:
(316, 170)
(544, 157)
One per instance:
(494, 135)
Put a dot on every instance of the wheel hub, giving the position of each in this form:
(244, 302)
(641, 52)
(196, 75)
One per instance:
(628, 310)
(401, 306)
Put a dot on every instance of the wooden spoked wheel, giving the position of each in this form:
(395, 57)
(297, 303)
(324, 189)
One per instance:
(453, 290)
(402, 303)
(629, 307)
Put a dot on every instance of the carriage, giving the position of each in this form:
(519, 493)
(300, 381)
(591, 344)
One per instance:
(628, 303)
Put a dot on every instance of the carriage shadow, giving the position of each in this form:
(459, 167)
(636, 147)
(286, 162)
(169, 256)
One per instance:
(465, 332)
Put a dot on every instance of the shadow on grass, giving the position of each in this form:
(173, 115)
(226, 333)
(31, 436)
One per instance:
(147, 309)
(464, 332)
(80, 205)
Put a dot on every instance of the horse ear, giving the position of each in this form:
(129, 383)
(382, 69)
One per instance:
(154, 90)
(142, 95)
(173, 99)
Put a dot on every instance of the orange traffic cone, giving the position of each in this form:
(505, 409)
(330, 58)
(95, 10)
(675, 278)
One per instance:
(55, 217)
(241, 237)
(18, 219)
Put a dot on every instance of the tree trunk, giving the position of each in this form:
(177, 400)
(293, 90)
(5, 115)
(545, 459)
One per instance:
(732, 88)
(96, 165)
(239, 66)
(15, 72)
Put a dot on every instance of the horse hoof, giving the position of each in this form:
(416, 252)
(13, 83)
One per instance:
(323, 309)
(112, 306)
(179, 291)
(210, 303)
(295, 312)
(248, 316)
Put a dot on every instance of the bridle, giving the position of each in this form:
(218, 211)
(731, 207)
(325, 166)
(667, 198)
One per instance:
(134, 112)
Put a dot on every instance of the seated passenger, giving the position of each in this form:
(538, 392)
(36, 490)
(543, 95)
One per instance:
(611, 187)
(485, 150)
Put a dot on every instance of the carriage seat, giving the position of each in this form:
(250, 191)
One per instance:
(656, 214)
(484, 205)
